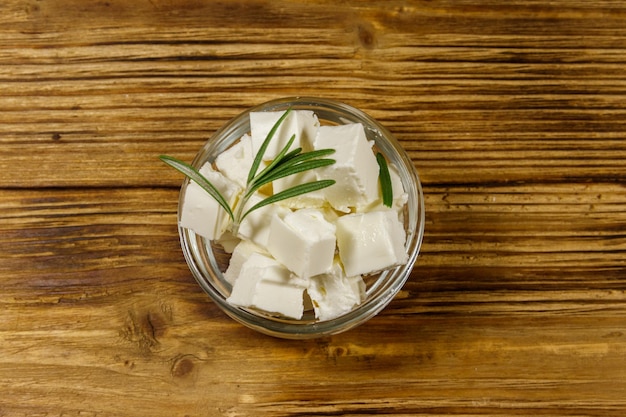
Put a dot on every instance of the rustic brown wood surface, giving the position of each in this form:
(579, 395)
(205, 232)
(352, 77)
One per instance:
(514, 114)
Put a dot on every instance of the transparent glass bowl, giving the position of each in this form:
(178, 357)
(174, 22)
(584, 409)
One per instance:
(207, 261)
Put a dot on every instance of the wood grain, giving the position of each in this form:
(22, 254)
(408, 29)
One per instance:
(513, 113)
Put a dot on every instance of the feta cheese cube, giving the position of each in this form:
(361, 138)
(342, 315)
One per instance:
(265, 284)
(370, 242)
(235, 162)
(355, 170)
(228, 241)
(315, 199)
(302, 123)
(200, 212)
(256, 225)
(333, 294)
(239, 256)
(303, 241)
(400, 197)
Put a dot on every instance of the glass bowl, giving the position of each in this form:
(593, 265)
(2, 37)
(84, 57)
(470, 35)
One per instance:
(207, 260)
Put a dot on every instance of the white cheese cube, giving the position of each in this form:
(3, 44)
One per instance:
(228, 241)
(302, 123)
(265, 284)
(240, 255)
(357, 286)
(235, 162)
(314, 199)
(330, 214)
(256, 225)
(370, 242)
(400, 197)
(200, 212)
(303, 241)
(355, 170)
(333, 294)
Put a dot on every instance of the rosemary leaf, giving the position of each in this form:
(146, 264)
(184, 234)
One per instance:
(199, 179)
(291, 192)
(259, 156)
(385, 180)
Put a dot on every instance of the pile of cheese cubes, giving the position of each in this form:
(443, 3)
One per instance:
(313, 250)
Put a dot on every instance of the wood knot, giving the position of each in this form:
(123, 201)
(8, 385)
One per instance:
(182, 366)
(366, 35)
(339, 351)
(143, 329)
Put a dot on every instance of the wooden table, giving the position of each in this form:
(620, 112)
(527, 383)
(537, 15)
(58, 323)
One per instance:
(514, 114)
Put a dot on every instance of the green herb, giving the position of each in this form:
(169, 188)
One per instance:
(285, 164)
(385, 180)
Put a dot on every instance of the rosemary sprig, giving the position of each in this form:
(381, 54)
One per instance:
(385, 180)
(286, 163)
